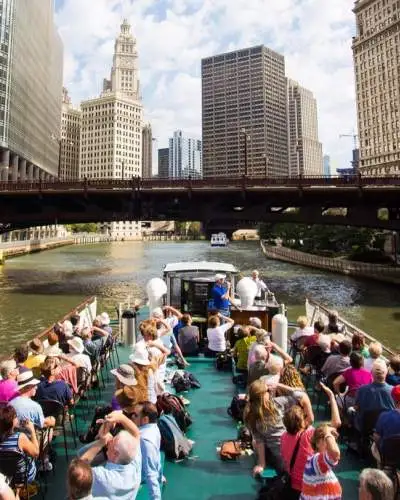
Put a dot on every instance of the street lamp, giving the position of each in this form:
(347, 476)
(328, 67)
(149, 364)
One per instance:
(246, 138)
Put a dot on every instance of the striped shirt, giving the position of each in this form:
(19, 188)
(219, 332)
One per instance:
(11, 444)
(319, 480)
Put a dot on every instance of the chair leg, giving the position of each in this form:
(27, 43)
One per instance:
(65, 442)
(116, 352)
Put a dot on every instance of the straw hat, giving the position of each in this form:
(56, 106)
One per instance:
(77, 344)
(26, 378)
(140, 357)
(105, 319)
(36, 346)
(125, 374)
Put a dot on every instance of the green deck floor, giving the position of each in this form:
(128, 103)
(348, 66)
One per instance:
(205, 476)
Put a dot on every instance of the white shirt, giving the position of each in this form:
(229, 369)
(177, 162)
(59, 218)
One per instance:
(261, 286)
(216, 337)
(82, 360)
(302, 332)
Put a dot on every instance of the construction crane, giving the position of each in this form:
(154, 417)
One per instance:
(353, 135)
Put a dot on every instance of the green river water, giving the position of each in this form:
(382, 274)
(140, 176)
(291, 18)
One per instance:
(37, 289)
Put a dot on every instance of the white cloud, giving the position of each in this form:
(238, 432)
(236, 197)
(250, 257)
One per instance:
(173, 36)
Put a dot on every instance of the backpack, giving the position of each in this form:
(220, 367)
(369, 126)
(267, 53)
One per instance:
(236, 408)
(173, 442)
(169, 404)
(183, 381)
(223, 361)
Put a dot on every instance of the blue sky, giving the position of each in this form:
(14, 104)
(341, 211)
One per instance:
(173, 36)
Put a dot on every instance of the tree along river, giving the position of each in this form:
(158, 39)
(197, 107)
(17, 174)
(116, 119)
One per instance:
(37, 289)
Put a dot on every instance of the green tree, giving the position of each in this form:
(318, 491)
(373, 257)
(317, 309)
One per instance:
(87, 227)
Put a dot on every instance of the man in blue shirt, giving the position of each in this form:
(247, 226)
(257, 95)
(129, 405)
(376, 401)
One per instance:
(119, 477)
(220, 294)
(50, 388)
(145, 416)
(375, 396)
(388, 425)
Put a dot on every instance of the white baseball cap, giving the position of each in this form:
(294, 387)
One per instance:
(220, 277)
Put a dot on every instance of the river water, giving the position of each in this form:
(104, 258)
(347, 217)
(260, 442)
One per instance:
(37, 289)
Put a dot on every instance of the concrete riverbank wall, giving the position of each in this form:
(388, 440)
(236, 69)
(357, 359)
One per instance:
(378, 272)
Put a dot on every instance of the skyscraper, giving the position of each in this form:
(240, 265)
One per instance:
(163, 161)
(111, 133)
(147, 151)
(377, 65)
(244, 113)
(31, 54)
(70, 139)
(304, 148)
(185, 157)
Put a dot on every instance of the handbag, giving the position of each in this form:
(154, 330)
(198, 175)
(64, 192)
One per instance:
(230, 450)
(279, 487)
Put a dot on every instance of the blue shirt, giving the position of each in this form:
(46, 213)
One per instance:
(117, 481)
(373, 397)
(216, 293)
(26, 409)
(57, 390)
(393, 379)
(388, 425)
(150, 441)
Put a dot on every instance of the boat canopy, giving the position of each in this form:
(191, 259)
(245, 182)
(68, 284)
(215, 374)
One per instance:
(203, 265)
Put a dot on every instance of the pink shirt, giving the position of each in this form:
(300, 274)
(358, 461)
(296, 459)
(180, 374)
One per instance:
(288, 443)
(8, 389)
(356, 377)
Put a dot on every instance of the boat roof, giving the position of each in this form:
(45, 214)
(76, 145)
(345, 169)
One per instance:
(200, 266)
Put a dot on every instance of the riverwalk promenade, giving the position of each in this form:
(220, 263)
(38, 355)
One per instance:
(378, 272)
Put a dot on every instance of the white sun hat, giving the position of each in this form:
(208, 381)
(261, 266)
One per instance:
(140, 357)
(77, 344)
(105, 318)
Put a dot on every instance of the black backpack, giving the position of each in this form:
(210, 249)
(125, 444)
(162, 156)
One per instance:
(236, 408)
(183, 381)
(223, 362)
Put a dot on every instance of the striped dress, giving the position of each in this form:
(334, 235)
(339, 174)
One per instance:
(11, 444)
(319, 480)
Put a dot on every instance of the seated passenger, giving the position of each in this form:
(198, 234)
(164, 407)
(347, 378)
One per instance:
(262, 339)
(319, 327)
(333, 326)
(354, 378)
(337, 363)
(8, 384)
(299, 430)
(91, 347)
(375, 396)
(375, 485)
(216, 334)
(13, 439)
(53, 348)
(388, 425)
(146, 373)
(79, 480)
(119, 477)
(241, 349)
(302, 329)
(36, 358)
(375, 352)
(188, 337)
(145, 417)
(358, 344)
(25, 407)
(76, 349)
(105, 322)
(21, 354)
(263, 416)
(50, 388)
(291, 377)
(258, 369)
(100, 332)
(124, 376)
(393, 377)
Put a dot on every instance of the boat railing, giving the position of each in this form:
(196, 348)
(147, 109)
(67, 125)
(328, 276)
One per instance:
(316, 311)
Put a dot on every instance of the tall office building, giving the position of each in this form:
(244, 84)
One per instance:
(244, 113)
(377, 71)
(70, 139)
(304, 148)
(185, 157)
(147, 151)
(31, 66)
(163, 162)
(111, 132)
(327, 166)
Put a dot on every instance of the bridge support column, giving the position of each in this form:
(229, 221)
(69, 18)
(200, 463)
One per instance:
(5, 165)
(29, 172)
(36, 173)
(22, 169)
(14, 168)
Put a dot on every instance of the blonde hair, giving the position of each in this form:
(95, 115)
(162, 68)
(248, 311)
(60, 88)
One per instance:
(302, 321)
(320, 432)
(259, 413)
(148, 328)
(375, 350)
(291, 377)
(273, 366)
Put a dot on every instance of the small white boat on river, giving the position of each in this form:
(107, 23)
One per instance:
(219, 240)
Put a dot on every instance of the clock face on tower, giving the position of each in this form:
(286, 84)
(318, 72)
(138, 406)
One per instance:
(125, 61)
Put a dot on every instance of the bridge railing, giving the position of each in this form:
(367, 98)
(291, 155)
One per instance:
(136, 183)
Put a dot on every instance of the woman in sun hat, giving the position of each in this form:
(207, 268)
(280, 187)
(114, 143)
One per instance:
(124, 376)
(36, 356)
(146, 374)
(76, 349)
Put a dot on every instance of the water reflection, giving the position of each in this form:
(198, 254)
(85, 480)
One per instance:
(37, 289)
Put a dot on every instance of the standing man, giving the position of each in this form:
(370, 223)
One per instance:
(220, 293)
(261, 286)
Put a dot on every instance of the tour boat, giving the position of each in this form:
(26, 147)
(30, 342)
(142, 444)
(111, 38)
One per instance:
(219, 240)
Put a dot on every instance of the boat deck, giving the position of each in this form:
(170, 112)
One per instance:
(204, 476)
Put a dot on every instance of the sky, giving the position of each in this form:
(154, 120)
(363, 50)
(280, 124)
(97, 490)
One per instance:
(174, 35)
